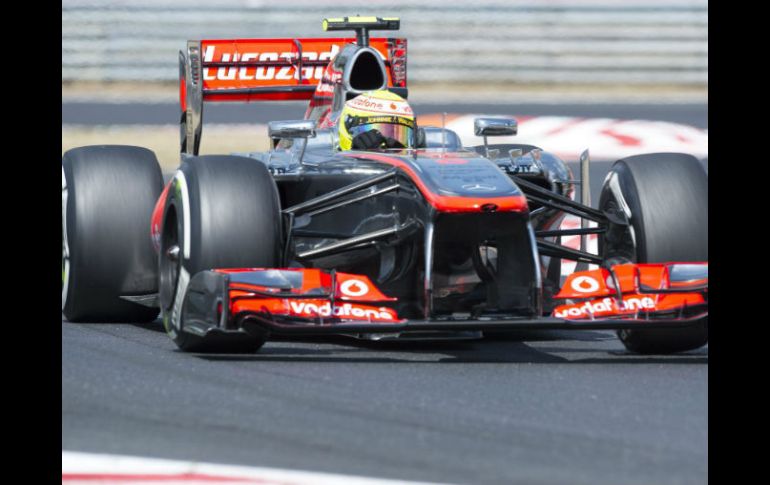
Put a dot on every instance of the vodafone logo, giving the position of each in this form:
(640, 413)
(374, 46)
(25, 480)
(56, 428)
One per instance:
(366, 102)
(605, 306)
(374, 105)
(354, 288)
(343, 311)
(584, 284)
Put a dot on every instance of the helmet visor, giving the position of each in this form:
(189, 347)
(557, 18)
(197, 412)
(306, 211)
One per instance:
(397, 129)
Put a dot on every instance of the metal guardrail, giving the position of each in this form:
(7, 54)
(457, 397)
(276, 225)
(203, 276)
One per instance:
(564, 41)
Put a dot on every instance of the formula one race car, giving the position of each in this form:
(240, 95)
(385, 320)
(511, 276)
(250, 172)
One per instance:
(358, 222)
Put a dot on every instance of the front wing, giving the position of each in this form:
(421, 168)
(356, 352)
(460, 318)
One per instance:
(318, 302)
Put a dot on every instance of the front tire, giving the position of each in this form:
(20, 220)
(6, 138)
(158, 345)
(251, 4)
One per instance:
(108, 194)
(221, 212)
(665, 196)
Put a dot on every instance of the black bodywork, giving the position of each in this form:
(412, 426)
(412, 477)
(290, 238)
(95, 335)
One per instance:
(354, 212)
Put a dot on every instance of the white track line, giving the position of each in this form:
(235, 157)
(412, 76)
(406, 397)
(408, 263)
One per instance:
(606, 138)
(90, 468)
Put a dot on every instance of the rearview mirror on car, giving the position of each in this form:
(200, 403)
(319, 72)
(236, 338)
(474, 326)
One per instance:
(291, 129)
(495, 126)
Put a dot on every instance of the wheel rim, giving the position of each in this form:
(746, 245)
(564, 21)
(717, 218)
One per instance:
(169, 262)
(65, 257)
(623, 250)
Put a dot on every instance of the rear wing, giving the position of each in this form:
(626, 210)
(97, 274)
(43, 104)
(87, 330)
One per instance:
(245, 70)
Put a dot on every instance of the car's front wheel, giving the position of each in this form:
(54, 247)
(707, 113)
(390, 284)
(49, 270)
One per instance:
(665, 197)
(221, 212)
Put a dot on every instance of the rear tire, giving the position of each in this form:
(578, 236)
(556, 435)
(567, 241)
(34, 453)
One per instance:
(108, 194)
(667, 197)
(233, 210)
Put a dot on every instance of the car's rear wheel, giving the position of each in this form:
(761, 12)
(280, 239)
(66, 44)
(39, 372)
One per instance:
(221, 212)
(108, 194)
(665, 196)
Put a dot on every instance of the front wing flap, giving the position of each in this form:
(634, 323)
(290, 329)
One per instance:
(633, 290)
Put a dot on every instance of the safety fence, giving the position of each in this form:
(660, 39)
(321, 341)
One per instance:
(557, 41)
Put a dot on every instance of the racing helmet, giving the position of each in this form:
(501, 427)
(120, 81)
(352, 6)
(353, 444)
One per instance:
(387, 113)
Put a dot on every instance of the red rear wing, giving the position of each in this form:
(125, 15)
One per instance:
(247, 70)
(275, 69)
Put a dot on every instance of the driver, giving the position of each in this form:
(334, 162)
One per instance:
(374, 120)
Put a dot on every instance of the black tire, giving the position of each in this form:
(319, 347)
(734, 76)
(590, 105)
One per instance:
(108, 194)
(232, 206)
(667, 196)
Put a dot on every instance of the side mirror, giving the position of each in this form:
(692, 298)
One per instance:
(291, 129)
(494, 127)
(278, 130)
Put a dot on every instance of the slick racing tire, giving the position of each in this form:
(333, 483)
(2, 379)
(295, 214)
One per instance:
(108, 194)
(665, 196)
(221, 212)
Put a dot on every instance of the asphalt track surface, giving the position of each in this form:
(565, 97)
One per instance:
(536, 407)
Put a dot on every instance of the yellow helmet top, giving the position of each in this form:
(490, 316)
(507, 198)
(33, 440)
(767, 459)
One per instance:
(382, 110)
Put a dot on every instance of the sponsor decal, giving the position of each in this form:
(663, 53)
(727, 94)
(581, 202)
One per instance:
(479, 187)
(369, 103)
(263, 73)
(346, 310)
(605, 306)
(328, 81)
(352, 121)
(354, 288)
(584, 284)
